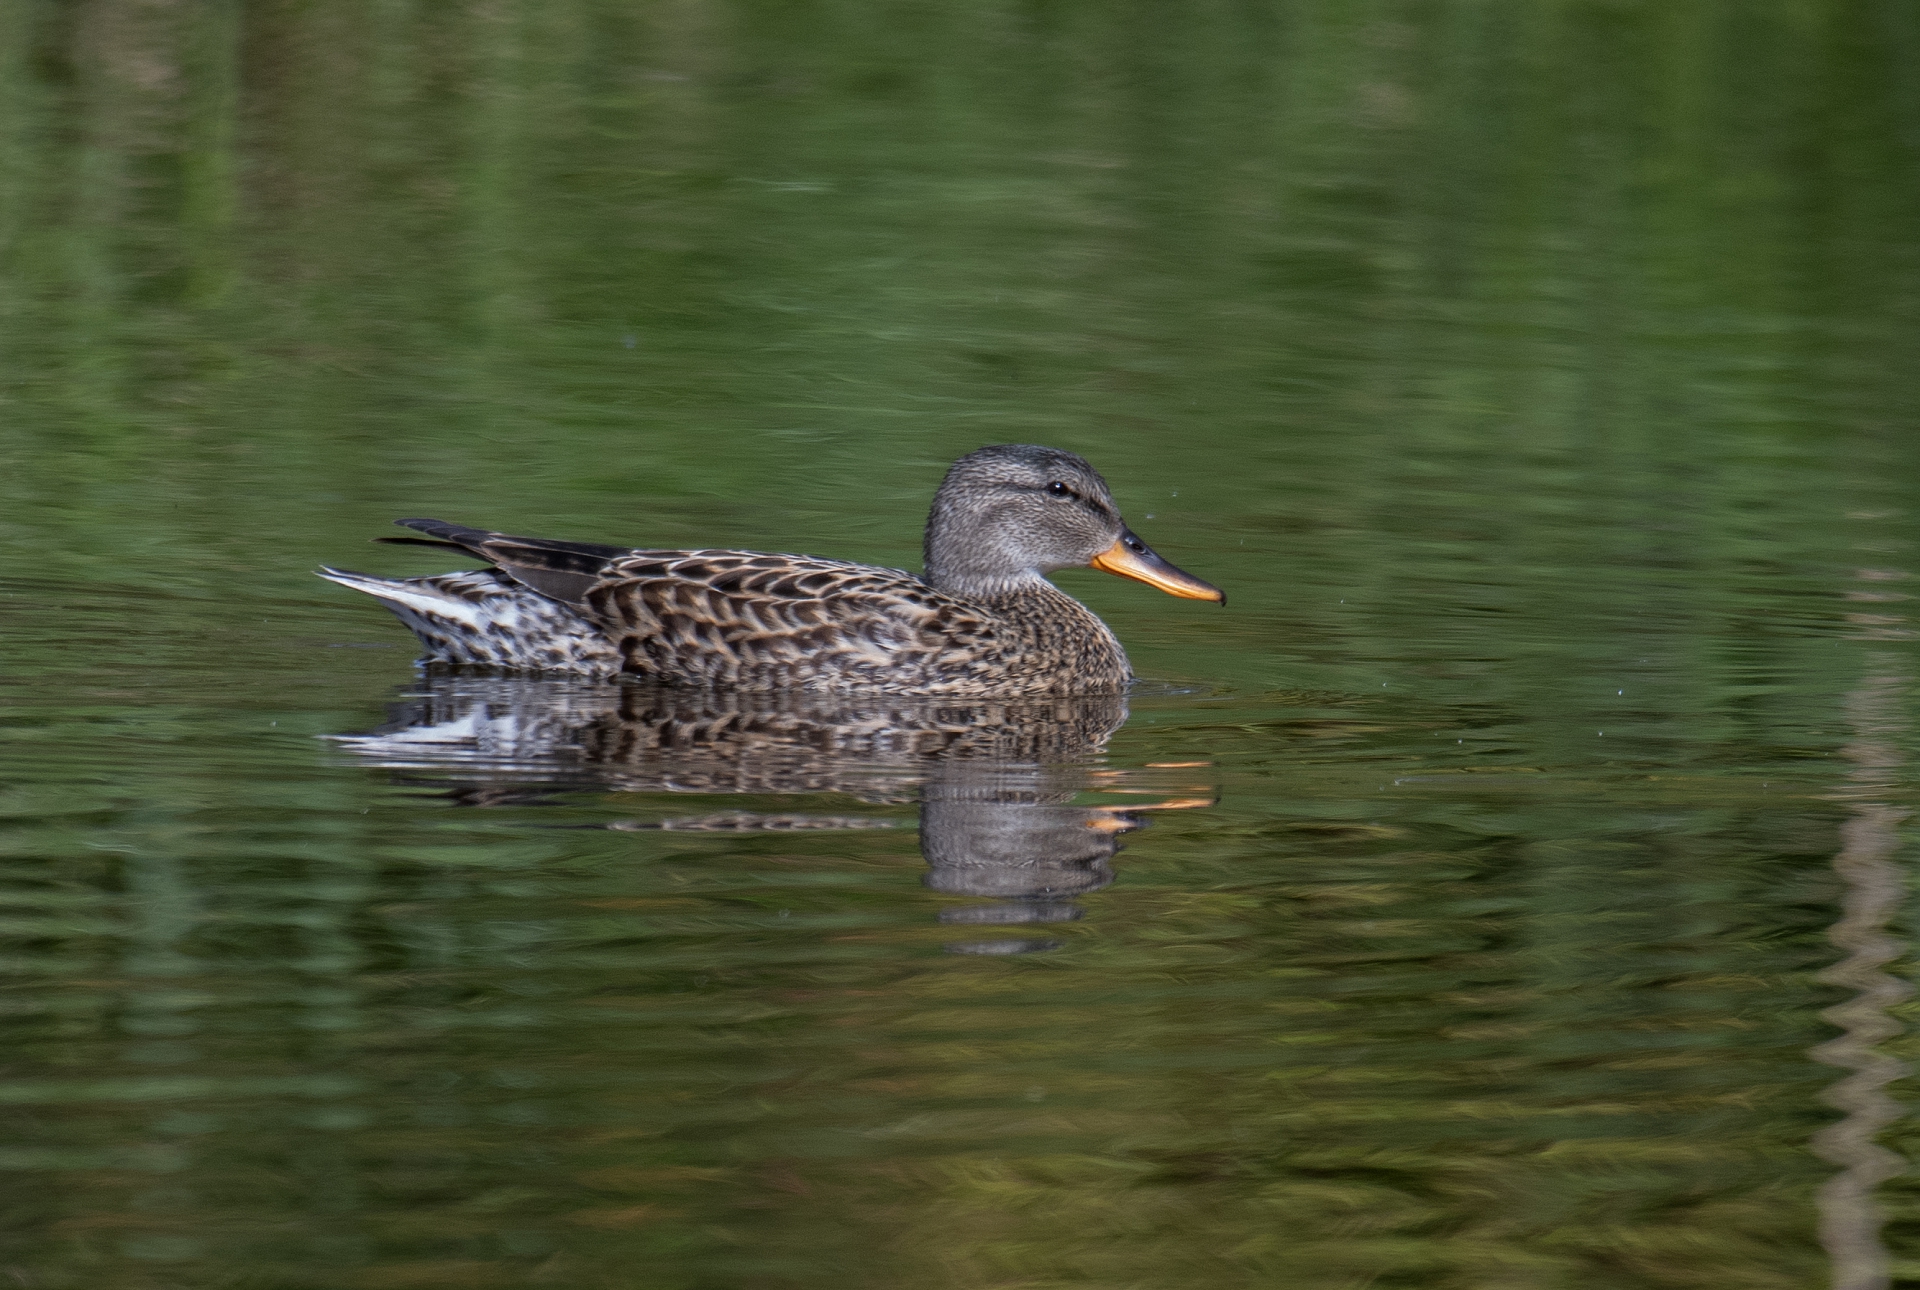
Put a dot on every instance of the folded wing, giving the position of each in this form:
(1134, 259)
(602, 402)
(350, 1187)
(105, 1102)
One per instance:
(742, 618)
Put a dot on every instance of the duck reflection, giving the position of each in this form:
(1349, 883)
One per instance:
(994, 781)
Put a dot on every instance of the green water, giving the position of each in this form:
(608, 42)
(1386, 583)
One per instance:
(1529, 902)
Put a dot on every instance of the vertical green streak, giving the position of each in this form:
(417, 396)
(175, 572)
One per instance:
(210, 198)
(87, 290)
(499, 74)
(24, 148)
(20, 130)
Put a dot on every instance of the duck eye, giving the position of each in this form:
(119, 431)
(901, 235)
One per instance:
(1059, 489)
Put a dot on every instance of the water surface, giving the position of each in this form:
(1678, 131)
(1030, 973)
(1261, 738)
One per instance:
(1508, 889)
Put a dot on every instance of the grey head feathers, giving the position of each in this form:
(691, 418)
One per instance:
(1008, 515)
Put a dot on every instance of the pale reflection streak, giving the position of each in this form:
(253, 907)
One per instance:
(1873, 888)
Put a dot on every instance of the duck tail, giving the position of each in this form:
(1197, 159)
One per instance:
(412, 597)
(484, 618)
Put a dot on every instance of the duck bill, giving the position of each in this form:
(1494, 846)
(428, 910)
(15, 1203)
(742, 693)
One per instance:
(1132, 558)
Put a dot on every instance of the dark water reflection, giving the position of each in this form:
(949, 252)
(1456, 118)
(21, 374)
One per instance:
(995, 781)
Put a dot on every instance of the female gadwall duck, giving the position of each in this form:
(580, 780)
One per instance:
(984, 620)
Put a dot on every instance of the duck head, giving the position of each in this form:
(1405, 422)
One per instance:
(1007, 516)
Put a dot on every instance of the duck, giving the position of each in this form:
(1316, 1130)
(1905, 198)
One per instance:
(983, 620)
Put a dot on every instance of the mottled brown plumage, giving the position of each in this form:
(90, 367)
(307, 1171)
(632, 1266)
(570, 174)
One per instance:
(983, 621)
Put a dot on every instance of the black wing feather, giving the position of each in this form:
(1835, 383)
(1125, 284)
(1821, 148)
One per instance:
(558, 570)
(439, 546)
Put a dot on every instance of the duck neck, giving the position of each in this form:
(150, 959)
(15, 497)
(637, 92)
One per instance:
(989, 585)
(1025, 597)
(961, 567)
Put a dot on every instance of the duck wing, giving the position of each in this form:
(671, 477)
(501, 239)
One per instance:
(751, 619)
(746, 618)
